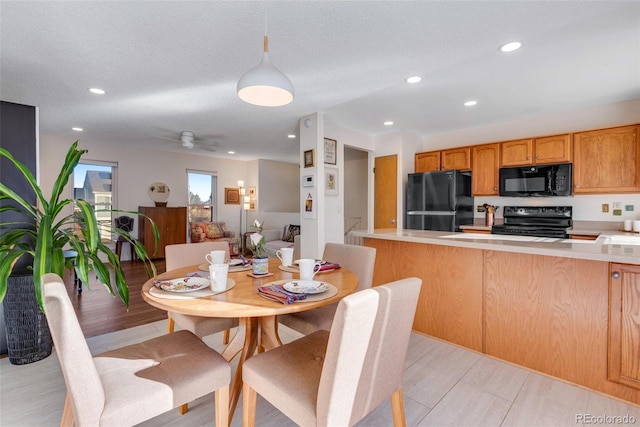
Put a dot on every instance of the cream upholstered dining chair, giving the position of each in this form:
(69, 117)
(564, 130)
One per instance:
(360, 260)
(132, 384)
(183, 255)
(336, 378)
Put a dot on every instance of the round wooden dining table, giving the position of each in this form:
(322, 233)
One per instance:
(257, 315)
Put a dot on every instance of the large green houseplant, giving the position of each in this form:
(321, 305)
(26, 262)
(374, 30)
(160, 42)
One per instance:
(47, 231)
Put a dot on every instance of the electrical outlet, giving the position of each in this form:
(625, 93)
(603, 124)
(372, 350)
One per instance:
(617, 212)
(605, 207)
(480, 208)
(628, 208)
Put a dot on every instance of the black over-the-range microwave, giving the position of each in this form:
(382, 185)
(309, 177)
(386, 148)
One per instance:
(536, 181)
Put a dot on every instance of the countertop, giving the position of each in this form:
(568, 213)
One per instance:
(627, 251)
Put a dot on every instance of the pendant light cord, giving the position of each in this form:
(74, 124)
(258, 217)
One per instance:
(266, 38)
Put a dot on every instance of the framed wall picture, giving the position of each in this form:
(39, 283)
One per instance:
(231, 196)
(252, 192)
(308, 158)
(330, 151)
(331, 182)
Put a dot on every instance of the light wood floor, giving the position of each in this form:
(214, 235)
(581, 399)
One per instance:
(444, 385)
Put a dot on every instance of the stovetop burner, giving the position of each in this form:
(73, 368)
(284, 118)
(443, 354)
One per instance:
(540, 221)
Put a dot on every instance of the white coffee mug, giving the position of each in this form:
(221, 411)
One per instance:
(215, 257)
(218, 275)
(636, 225)
(308, 268)
(628, 225)
(286, 256)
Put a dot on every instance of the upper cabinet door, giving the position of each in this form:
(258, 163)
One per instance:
(456, 159)
(516, 153)
(427, 162)
(553, 149)
(486, 164)
(607, 161)
(550, 149)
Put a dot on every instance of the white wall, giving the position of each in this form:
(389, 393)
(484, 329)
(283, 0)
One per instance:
(137, 168)
(356, 178)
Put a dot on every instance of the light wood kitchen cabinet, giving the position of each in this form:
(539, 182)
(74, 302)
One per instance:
(624, 324)
(171, 224)
(607, 161)
(485, 167)
(427, 162)
(550, 149)
(456, 159)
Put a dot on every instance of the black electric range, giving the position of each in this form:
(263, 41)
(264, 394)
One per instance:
(540, 221)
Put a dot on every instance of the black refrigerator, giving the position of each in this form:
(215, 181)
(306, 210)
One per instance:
(439, 201)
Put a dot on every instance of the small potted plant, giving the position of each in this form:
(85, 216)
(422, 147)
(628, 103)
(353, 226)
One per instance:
(43, 233)
(260, 259)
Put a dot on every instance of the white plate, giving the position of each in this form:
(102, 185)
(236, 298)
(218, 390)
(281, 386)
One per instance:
(235, 262)
(185, 284)
(306, 287)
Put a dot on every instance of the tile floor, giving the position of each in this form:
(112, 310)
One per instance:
(444, 386)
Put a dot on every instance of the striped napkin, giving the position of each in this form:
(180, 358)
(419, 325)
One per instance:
(279, 294)
(329, 266)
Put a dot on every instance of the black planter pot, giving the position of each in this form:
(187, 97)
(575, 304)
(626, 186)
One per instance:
(28, 335)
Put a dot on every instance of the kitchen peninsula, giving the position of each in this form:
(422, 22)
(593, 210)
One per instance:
(566, 308)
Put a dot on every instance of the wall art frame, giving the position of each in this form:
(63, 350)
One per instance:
(308, 158)
(231, 196)
(330, 155)
(331, 182)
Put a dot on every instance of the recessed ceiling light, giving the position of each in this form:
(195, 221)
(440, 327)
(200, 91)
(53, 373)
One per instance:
(413, 79)
(97, 91)
(77, 129)
(510, 47)
(388, 123)
(470, 103)
(231, 152)
(292, 136)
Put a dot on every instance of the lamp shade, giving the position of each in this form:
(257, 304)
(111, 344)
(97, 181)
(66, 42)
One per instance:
(265, 85)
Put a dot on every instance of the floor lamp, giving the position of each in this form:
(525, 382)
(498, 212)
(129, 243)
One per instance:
(242, 192)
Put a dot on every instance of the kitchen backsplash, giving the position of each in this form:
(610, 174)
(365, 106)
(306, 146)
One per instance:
(585, 207)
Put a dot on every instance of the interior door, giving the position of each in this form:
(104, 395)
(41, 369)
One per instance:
(385, 192)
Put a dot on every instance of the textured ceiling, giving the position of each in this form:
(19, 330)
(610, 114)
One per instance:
(173, 65)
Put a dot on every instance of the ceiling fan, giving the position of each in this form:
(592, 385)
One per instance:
(189, 141)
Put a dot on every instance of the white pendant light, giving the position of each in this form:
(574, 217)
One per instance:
(265, 85)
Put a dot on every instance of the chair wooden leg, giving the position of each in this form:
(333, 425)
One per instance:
(67, 413)
(221, 397)
(184, 409)
(397, 408)
(248, 406)
(225, 337)
(171, 324)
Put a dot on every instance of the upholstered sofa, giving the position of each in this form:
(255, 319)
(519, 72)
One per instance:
(214, 232)
(289, 237)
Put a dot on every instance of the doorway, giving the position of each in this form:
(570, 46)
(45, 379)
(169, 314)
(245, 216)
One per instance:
(356, 200)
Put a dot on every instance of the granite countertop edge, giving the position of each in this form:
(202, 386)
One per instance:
(597, 250)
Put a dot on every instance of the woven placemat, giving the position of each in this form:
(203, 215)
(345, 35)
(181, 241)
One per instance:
(290, 269)
(156, 292)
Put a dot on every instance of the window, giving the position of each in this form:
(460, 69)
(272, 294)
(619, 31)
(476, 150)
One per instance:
(202, 193)
(95, 182)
